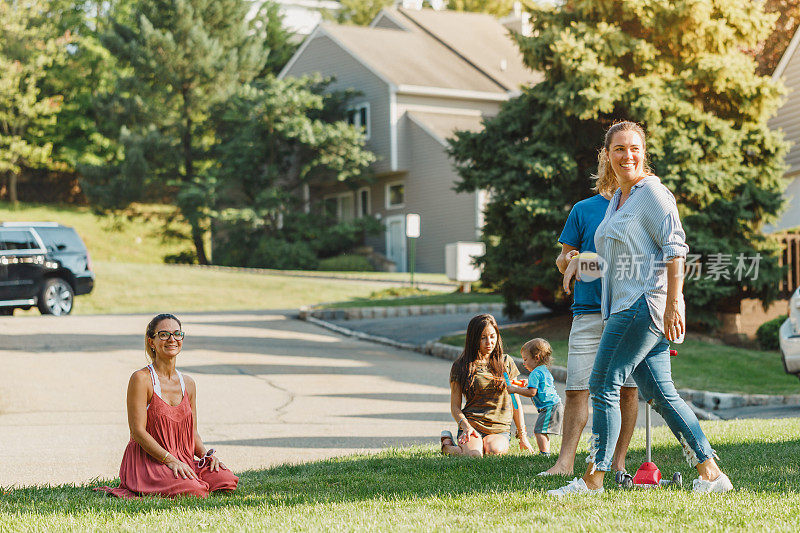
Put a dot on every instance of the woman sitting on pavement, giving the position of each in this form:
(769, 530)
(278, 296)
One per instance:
(484, 419)
(643, 310)
(162, 415)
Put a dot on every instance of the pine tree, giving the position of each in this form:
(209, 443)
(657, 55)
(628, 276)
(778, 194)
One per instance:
(182, 56)
(679, 69)
(28, 48)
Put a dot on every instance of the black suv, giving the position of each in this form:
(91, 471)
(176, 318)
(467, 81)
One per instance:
(43, 264)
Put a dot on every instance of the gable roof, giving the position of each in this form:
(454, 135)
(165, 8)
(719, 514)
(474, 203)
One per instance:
(470, 53)
(442, 126)
(410, 58)
(480, 39)
(787, 55)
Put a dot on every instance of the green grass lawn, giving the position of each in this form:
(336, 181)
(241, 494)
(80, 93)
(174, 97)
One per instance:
(138, 287)
(699, 365)
(416, 489)
(139, 238)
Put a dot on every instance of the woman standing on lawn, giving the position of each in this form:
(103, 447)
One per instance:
(644, 248)
(484, 419)
(162, 415)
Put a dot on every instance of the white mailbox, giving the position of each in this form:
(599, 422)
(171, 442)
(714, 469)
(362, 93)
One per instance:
(459, 260)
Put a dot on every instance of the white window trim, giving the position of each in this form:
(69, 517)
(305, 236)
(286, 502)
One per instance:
(386, 195)
(367, 127)
(359, 207)
(338, 197)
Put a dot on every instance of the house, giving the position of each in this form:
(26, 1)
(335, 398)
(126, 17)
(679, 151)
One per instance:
(787, 119)
(422, 74)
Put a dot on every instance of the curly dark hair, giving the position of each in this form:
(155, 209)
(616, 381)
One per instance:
(463, 369)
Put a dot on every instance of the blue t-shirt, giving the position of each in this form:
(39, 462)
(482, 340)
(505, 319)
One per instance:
(541, 379)
(578, 232)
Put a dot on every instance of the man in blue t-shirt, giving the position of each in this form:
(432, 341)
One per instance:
(584, 339)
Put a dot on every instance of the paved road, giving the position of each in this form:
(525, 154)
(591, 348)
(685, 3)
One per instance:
(271, 390)
(421, 329)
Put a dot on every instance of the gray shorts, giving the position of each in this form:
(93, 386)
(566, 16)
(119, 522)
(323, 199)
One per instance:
(584, 339)
(549, 421)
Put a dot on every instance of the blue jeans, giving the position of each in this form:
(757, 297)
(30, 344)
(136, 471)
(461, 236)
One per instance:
(633, 345)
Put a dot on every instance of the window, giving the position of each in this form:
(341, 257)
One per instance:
(339, 206)
(364, 206)
(395, 195)
(358, 116)
(17, 239)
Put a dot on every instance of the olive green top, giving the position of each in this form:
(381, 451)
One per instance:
(488, 408)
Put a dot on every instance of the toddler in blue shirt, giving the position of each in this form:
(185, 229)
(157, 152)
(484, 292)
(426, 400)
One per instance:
(537, 355)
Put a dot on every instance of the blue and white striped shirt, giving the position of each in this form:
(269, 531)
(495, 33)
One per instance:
(636, 241)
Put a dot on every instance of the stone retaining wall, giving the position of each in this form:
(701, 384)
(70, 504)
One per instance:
(356, 313)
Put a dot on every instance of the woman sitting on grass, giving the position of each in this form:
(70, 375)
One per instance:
(484, 421)
(162, 415)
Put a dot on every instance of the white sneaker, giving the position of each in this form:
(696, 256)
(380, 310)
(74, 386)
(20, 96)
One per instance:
(576, 486)
(721, 484)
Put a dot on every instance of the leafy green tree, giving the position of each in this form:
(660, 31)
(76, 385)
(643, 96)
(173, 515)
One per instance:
(498, 8)
(362, 12)
(182, 57)
(83, 133)
(677, 68)
(276, 136)
(268, 22)
(28, 47)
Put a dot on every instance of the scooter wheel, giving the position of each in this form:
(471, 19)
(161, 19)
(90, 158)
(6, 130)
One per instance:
(677, 479)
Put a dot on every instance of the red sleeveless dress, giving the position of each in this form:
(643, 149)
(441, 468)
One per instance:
(173, 428)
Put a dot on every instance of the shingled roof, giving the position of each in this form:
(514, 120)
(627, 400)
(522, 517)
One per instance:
(437, 49)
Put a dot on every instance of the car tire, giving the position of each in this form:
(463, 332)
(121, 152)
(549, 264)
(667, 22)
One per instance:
(6, 311)
(56, 297)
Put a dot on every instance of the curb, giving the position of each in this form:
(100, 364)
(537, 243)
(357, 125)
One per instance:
(357, 313)
(701, 402)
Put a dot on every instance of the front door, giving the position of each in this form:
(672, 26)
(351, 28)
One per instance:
(396, 241)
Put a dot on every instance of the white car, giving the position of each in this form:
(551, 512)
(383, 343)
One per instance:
(789, 336)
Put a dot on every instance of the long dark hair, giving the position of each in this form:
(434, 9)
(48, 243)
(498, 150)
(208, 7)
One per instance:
(150, 333)
(463, 369)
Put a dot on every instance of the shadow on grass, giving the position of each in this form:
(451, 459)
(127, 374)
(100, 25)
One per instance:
(415, 473)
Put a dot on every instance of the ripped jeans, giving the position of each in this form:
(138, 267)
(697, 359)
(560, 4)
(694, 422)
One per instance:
(632, 344)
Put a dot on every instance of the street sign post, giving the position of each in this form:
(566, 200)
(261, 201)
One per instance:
(412, 232)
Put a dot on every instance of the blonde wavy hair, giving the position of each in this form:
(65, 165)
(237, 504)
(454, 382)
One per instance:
(605, 179)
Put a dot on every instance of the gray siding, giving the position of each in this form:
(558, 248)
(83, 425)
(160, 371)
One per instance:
(788, 116)
(446, 216)
(323, 55)
(387, 23)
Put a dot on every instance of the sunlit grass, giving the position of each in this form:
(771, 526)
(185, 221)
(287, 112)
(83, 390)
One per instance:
(416, 489)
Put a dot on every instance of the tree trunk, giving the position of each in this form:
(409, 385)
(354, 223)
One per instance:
(188, 162)
(199, 245)
(12, 189)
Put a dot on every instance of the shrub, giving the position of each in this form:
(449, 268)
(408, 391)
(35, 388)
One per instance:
(282, 255)
(346, 262)
(767, 333)
(185, 257)
(400, 292)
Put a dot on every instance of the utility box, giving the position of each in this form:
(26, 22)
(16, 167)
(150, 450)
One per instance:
(459, 261)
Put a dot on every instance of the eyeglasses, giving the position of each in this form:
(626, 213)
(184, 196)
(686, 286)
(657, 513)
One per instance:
(165, 335)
